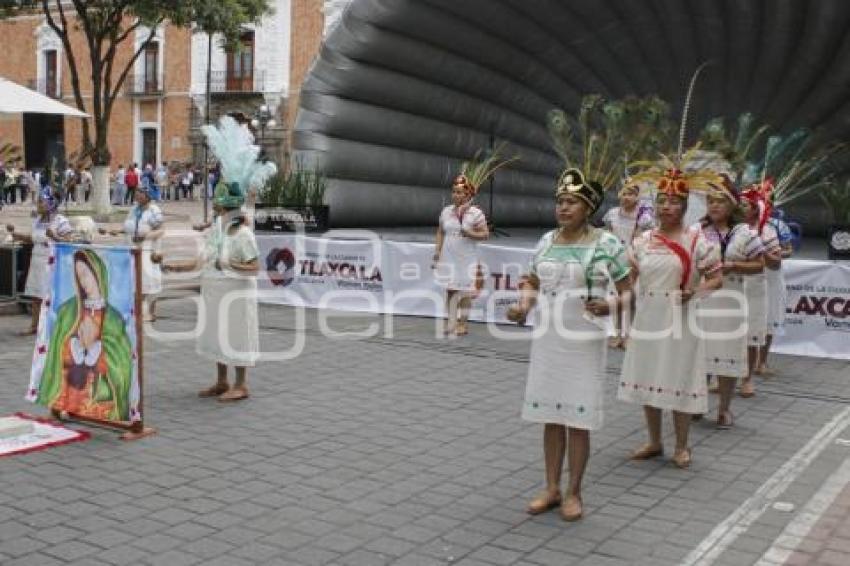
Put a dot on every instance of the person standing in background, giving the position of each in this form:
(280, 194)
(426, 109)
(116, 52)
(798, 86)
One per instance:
(86, 182)
(131, 179)
(163, 180)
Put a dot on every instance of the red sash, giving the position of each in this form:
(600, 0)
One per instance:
(683, 255)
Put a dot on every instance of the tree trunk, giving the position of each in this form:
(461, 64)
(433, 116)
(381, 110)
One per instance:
(100, 190)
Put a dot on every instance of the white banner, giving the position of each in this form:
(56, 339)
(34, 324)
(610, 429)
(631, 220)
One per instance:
(372, 275)
(817, 319)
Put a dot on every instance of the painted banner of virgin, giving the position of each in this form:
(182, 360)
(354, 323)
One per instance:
(85, 362)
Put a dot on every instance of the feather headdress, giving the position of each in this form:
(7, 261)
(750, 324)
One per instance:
(681, 173)
(233, 146)
(475, 172)
(793, 166)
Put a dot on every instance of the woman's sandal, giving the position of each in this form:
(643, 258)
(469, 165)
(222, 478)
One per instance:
(213, 391)
(748, 390)
(725, 420)
(462, 330)
(543, 503)
(234, 394)
(571, 509)
(682, 459)
(647, 452)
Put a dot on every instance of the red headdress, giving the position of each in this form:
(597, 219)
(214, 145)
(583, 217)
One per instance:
(760, 195)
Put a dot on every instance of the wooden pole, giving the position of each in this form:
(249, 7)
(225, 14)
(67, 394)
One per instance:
(138, 429)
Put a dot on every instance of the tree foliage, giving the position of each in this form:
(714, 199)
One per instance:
(106, 25)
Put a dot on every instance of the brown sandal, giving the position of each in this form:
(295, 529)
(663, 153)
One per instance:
(234, 394)
(571, 509)
(682, 459)
(647, 452)
(213, 391)
(748, 390)
(543, 503)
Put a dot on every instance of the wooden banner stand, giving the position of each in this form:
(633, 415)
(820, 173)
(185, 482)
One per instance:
(136, 430)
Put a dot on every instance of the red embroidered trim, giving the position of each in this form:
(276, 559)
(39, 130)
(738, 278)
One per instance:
(81, 436)
(661, 390)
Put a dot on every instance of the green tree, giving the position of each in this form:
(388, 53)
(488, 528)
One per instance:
(105, 26)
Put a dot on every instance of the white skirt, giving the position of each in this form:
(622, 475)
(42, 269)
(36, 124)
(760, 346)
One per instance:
(38, 284)
(755, 287)
(458, 264)
(666, 369)
(151, 275)
(566, 375)
(726, 336)
(776, 299)
(231, 337)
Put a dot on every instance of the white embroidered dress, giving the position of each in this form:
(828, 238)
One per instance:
(37, 284)
(755, 287)
(458, 264)
(566, 374)
(664, 366)
(726, 336)
(230, 334)
(139, 223)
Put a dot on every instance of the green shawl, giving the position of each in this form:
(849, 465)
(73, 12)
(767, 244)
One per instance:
(114, 341)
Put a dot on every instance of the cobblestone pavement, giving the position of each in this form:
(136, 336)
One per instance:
(410, 451)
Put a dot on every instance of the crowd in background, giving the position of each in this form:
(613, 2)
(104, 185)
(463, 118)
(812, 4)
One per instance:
(174, 181)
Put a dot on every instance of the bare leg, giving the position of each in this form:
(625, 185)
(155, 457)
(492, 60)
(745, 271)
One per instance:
(654, 447)
(221, 386)
(239, 391)
(451, 311)
(554, 448)
(464, 306)
(765, 350)
(726, 388)
(36, 312)
(682, 424)
(747, 387)
(578, 454)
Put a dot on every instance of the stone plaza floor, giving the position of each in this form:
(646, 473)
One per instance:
(409, 450)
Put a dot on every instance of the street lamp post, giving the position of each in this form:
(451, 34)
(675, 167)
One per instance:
(263, 118)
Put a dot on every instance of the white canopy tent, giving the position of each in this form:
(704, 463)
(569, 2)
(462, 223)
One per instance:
(16, 99)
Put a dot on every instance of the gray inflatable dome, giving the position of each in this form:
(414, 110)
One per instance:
(405, 90)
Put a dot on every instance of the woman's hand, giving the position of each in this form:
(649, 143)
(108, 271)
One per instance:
(686, 296)
(87, 333)
(598, 307)
(516, 313)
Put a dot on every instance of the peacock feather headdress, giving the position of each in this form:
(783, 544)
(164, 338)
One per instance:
(684, 171)
(793, 166)
(233, 146)
(475, 172)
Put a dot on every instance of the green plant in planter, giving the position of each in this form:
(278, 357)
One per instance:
(837, 200)
(298, 187)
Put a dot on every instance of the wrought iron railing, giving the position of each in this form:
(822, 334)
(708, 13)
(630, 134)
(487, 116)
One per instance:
(144, 85)
(225, 82)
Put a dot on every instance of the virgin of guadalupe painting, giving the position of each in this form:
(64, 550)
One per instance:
(85, 361)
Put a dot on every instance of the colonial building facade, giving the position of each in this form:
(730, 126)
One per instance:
(158, 114)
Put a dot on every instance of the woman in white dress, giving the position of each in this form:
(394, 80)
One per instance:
(777, 294)
(230, 263)
(48, 227)
(740, 255)
(627, 221)
(144, 227)
(664, 366)
(462, 226)
(571, 269)
(754, 201)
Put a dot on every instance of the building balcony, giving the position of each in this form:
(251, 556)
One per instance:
(144, 85)
(225, 83)
(46, 87)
